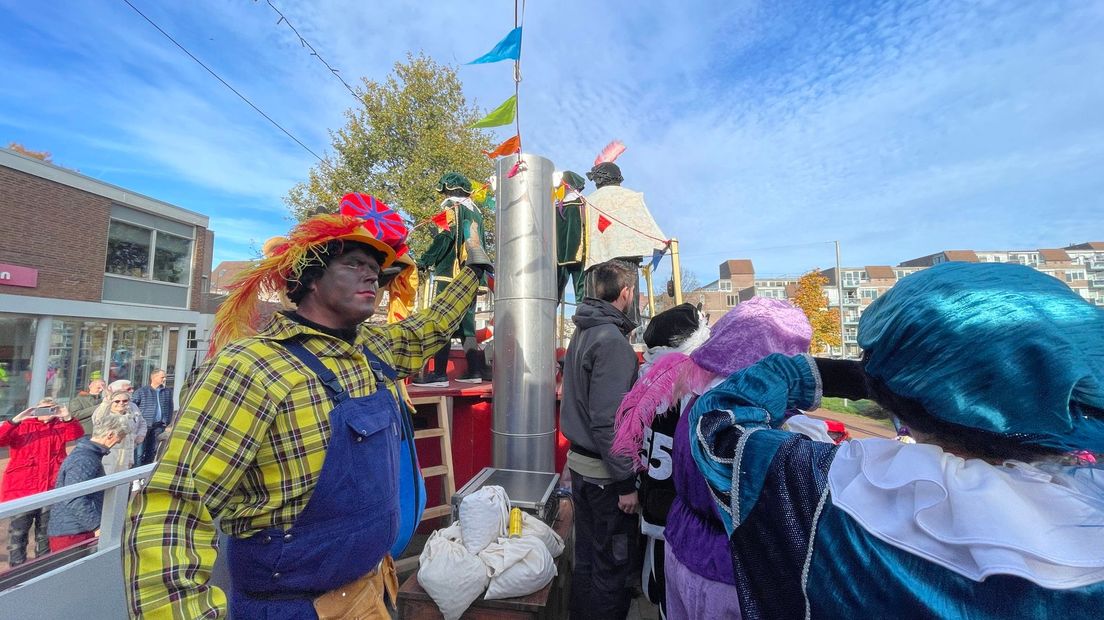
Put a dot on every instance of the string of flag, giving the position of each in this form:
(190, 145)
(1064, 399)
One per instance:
(509, 48)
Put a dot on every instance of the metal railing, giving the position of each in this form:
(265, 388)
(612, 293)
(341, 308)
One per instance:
(91, 585)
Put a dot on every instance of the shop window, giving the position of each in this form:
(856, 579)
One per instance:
(130, 248)
(17, 336)
(61, 362)
(135, 352)
(91, 353)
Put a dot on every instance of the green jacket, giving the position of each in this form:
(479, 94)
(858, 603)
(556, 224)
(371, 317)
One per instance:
(569, 233)
(441, 256)
(82, 406)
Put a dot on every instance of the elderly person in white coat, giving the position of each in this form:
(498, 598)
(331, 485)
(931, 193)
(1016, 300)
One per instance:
(117, 402)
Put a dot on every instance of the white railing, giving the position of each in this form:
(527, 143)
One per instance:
(92, 585)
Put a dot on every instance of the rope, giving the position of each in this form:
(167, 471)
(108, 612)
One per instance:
(636, 230)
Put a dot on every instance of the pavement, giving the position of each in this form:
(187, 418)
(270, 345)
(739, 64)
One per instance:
(860, 427)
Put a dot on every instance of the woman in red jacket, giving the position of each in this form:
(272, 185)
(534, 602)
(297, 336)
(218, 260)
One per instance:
(36, 439)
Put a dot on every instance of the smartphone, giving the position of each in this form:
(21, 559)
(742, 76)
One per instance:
(45, 411)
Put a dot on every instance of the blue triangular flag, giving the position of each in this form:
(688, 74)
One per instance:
(657, 255)
(507, 49)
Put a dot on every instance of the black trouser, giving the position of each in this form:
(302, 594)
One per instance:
(606, 553)
(653, 578)
(146, 452)
(20, 528)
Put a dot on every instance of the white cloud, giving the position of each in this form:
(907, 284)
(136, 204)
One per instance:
(901, 130)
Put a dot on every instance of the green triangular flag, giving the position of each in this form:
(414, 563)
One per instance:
(502, 115)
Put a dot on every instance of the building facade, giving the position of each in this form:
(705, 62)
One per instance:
(95, 282)
(1080, 266)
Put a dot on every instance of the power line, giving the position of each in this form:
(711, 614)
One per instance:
(227, 85)
(305, 43)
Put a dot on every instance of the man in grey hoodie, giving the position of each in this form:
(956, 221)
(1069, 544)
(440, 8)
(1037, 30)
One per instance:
(599, 368)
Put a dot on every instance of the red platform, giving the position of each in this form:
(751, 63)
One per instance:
(472, 419)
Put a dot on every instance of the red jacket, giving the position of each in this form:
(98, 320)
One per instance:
(37, 450)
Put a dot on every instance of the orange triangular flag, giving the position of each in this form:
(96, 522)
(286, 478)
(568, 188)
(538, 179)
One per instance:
(509, 147)
(443, 220)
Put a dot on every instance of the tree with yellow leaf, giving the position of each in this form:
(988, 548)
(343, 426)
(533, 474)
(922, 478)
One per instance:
(39, 155)
(813, 302)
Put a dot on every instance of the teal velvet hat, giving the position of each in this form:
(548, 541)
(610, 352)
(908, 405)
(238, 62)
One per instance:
(998, 347)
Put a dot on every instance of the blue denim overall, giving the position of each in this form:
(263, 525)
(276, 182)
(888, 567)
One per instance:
(412, 491)
(351, 520)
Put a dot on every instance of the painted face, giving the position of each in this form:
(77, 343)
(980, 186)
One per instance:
(345, 295)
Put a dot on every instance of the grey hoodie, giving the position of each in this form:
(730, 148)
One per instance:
(599, 369)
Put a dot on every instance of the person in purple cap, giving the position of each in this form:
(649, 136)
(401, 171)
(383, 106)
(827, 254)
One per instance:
(698, 569)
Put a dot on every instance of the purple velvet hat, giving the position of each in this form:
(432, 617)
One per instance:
(751, 331)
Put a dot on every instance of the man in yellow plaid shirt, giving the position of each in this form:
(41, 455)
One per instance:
(285, 438)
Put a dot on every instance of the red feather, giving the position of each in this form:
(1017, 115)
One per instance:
(612, 151)
(238, 316)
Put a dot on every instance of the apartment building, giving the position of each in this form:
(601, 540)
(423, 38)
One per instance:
(1080, 266)
(735, 284)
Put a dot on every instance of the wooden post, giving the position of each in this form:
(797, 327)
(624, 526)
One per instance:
(676, 271)
(651, 294)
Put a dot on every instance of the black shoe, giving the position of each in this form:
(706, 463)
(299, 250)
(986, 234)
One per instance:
(430, 379)
(475, 366)
(485, 370)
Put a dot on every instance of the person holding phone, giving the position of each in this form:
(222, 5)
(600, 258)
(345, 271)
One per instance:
(36, 439)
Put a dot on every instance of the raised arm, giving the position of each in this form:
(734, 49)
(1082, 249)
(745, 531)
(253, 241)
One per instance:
(414, 340)
(754, 398)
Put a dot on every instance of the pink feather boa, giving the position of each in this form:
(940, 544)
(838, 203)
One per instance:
(673, 376)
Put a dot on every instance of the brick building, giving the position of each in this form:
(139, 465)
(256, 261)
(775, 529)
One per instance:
(95, 281)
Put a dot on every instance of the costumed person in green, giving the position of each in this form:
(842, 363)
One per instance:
(571, 236)
(444, 256)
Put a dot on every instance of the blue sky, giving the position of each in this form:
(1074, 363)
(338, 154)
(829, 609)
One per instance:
(756, 129)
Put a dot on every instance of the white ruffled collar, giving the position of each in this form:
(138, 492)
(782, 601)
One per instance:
(974, 518)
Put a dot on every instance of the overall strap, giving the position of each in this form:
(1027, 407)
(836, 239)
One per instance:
(381, 369)
(329, 380)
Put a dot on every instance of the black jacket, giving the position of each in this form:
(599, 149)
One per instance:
(599, 369)
(81, 514)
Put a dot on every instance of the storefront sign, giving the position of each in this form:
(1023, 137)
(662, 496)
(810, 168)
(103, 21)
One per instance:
(14, 275)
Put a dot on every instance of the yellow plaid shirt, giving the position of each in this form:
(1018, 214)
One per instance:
(249, 445)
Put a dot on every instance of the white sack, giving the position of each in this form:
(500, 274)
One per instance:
(451, 533)
(451, 576)
(532, 526)
(519, 567)
(484, 517)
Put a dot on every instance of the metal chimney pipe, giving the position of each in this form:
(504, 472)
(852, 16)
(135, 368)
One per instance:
(525, 317)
